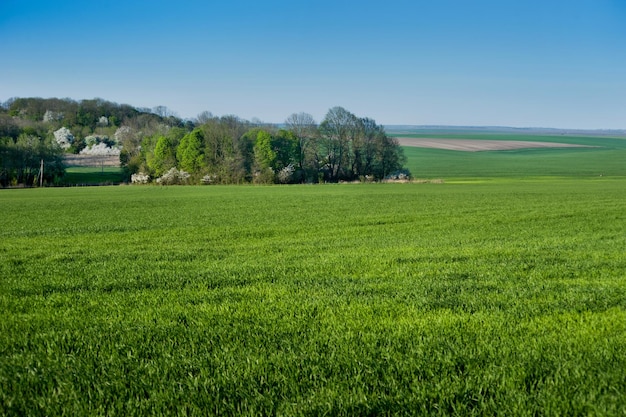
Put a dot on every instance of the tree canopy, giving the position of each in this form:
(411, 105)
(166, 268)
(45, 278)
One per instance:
(210, 149)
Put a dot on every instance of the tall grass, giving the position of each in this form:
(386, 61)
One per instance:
(500, 298)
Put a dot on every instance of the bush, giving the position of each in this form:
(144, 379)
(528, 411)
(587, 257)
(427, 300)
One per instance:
(285, 175)
(265, 176)
(209, 179)
(173, 177)
(140, 178)
(399, 175)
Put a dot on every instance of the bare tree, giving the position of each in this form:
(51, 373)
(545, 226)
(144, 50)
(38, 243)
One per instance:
(204, 117)
(163, 112)
(304, 128)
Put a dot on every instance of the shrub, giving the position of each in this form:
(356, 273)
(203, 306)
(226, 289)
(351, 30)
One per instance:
(285, 175)
(209, 179)
(173, 177)
(400, 175)
(140, 178)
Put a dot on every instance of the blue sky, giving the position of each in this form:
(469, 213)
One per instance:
(531, 63)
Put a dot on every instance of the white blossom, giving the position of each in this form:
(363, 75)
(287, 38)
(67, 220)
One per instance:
(140, 178)
(401, 175)
(50, 116)
(173, 177)
(100, 149)
(64, 137)
(208, 179)
(285, 175)
(122, 132)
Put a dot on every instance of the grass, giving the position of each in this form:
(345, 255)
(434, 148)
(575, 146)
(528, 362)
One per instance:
(606, 159)
(93, 176)
(506, 297)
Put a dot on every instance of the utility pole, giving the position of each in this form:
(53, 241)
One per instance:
(41, 174)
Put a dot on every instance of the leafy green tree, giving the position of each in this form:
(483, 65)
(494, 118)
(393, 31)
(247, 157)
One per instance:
(189, 153)
(228, 149)
(337, 133)
(352, 147)
(285, 145)
(20, 161)
(264, 155)
(389, 157)
(365, 149)
(164, 157)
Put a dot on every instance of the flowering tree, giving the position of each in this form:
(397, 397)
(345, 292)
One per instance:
(173, 177)
(285, 175)
(51, 116)
(140, 178)
(64, 137)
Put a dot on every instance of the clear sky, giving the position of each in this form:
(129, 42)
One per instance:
(523, 63)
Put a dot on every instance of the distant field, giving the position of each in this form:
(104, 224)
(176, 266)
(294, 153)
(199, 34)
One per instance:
(506, 297)
(597, 156)
(92, 170)
(85, 175)
(92, 160)
(476, 145)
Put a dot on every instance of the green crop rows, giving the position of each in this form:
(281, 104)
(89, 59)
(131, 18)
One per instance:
(497, 298)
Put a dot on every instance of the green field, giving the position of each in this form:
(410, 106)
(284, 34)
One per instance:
(93, 176)
(607, 158)
(506, 297)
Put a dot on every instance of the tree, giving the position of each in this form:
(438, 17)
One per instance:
(304, 128)
(204, 117)
(354, 147)
(365, 150)
(285, 145)
(164, 157)
(162, 111)
(64, 137)
(20, 161)
(337, 133)
(389, 157)
(130, 155)
(228, 149)
(264, 155)
(189, 153)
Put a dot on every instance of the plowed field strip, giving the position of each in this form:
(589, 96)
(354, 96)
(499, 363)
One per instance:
(92, 160)
(470, 145)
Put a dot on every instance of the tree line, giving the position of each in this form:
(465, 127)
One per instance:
(156, 144)
(225, 150)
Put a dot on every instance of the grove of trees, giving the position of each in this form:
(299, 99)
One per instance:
(226, 150)
(155, 144)
(28, 127)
